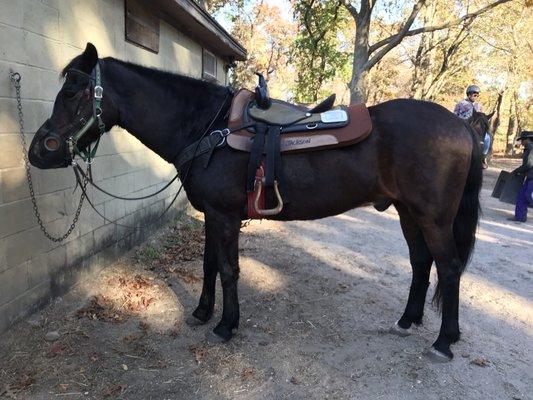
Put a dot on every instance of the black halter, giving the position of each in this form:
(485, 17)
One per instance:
(97, 92)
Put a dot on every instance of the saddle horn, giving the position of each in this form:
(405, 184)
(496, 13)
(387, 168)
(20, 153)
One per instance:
(261, 93)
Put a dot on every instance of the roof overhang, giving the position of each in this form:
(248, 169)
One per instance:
(191, 19)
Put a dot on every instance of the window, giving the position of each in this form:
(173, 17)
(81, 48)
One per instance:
(209, 66)
(142, 26)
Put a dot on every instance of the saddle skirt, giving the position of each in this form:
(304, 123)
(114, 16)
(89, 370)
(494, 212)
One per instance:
(308, 133)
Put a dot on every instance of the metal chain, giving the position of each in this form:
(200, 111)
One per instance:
(16, 78)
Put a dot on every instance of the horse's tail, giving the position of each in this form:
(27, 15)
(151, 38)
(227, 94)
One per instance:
(466, 220)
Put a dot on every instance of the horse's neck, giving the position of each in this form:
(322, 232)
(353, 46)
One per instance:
(164, 113)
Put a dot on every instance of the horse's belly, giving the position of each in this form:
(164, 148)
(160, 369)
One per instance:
(322, 185)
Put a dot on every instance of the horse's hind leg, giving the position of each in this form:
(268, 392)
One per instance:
(440, 241)
(204, 311)
(421, 261)
(225, 230)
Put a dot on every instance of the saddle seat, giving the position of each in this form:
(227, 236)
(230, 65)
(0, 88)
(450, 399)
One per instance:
(283, 113)
(301, 129)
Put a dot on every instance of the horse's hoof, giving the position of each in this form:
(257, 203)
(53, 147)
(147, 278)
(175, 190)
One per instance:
(438, 356)
(213, 338)
(398, 330)
(191, 320)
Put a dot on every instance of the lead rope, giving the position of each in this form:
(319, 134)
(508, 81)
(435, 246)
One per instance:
(16, 78)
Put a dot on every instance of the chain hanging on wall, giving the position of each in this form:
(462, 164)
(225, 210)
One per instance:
(16, 78)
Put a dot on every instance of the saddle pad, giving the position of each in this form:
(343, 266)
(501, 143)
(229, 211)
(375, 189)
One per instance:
(358, 129)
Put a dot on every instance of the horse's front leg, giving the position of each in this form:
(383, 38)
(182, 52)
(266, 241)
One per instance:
(204, 311)
(225, 235)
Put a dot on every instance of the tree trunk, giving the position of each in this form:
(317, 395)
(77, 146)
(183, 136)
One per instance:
(358, 84)
(510, 129)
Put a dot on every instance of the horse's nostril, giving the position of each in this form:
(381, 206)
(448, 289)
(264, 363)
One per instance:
(51, 144)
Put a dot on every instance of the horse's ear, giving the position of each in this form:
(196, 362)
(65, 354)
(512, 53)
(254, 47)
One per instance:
(89, 58)
(489, 116)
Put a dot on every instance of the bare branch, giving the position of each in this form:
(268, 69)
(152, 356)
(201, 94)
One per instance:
(351, 9)
(398, 37)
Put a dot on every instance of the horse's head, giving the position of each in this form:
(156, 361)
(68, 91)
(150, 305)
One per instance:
(480, 122)
(76, 119)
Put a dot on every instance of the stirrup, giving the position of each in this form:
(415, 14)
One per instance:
(271, 211)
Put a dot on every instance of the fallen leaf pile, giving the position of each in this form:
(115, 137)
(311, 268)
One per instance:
(131, 295)
(101, 308)
(184, 244)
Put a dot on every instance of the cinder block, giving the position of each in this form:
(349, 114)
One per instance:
(114, 209)
(6, 85)
(107, 145)
(53, 180)
(59, 227)
(35, 113)
(55, 259)
(41, 52)
(49, 84)
(23, 305)
(89, 219)
(12, 40)
(68, 52)
(104, 237)
(18, 283)
(9, 115)
(11, 12)
(95, 29)
(14, 184)
(43, 267)
(15, 217)
(10, 151)
(40, 18)
(3, 259)
(19, 216)
(24, 245)
(79, 249)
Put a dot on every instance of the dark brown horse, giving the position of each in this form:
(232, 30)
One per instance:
(419, 157)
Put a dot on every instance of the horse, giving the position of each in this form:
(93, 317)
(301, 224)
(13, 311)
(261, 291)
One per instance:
(480, 122)
(419, 157)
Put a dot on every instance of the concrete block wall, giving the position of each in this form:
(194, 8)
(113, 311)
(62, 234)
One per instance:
(38, 38)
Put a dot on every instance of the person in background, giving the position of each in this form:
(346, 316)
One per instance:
(525, 195)
(464, 110)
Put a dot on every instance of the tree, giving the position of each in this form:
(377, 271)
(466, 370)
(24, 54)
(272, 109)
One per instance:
(316, 52)
(267, 36)
(366, 56)
(440, 55)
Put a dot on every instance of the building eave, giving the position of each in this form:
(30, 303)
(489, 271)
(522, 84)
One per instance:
(194, 21)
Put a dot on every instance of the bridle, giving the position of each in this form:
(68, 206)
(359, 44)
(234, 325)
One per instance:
(80, 127)
(96, 92)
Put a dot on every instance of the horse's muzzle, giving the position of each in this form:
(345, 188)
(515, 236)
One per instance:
(48, 148)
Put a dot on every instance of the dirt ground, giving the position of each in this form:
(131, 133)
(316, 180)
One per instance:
(317, 301)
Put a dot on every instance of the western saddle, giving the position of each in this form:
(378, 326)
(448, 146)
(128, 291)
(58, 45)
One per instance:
(266, 128)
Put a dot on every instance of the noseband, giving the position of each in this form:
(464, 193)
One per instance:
(97, 92)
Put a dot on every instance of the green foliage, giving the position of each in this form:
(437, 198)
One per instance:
(318, 53)
(148, 254)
